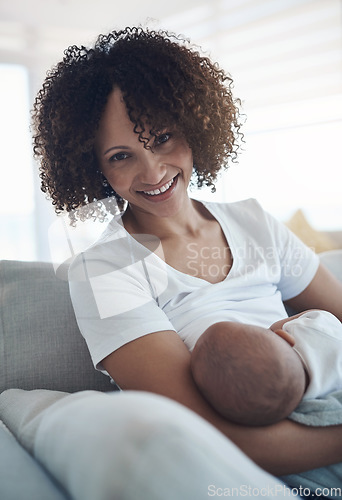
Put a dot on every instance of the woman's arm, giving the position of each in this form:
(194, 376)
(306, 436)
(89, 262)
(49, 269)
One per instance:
(160, 363)
(324, 292)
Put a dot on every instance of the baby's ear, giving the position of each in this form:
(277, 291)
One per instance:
(286, 336)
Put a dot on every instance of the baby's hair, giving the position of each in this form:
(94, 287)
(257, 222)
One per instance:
(164, 82)
(250, 375)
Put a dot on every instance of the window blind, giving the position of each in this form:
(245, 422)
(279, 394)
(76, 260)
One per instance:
(281, 54)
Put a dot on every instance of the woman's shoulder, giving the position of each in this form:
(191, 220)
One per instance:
(98, 256)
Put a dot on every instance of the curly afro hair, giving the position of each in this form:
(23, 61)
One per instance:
(163, 81)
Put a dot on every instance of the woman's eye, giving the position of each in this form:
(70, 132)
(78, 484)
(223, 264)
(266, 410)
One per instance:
(162, 138)
(119, 157)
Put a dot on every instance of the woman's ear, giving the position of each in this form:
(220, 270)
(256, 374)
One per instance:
(286, 336)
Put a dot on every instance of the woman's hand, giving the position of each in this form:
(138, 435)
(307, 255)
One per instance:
(160, 363)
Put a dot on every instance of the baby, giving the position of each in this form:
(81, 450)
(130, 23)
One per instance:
(257, 376)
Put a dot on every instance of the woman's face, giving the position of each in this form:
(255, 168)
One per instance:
(152, 181)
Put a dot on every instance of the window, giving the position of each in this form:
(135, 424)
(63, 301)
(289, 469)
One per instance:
(286, 62)
(16, 176)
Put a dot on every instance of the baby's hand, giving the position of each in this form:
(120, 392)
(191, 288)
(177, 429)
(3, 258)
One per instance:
(278, 325)
(284, 335)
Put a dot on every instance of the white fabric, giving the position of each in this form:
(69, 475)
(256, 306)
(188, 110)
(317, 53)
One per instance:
(318, 340)
(132, 445)
(122, 291)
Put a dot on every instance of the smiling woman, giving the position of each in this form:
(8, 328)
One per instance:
(133, 118)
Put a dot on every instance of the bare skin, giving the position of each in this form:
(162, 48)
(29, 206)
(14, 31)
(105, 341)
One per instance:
(160, 362)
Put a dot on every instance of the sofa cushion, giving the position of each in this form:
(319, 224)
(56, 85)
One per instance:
(40, 343)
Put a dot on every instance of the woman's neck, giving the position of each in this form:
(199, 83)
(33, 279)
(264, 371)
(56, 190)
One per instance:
(187, 221)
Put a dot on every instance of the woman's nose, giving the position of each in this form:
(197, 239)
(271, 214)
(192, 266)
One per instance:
(151, 168)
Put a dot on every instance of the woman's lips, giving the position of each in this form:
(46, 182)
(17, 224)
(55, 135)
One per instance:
(161, 196)
(162, 188)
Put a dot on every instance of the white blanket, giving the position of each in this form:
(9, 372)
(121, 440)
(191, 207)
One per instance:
(130, 446)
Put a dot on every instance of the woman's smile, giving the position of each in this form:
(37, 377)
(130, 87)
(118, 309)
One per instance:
(163, 192)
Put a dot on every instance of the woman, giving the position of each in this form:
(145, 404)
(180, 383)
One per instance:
(139, 117)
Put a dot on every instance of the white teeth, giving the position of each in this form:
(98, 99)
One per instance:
(162, 189)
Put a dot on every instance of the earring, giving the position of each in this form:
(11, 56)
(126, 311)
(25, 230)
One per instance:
(104, 181)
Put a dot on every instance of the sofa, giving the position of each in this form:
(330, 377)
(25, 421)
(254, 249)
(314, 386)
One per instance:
(66, 432)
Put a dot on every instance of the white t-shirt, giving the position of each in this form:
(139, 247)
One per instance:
(122, 291)
(318, 341)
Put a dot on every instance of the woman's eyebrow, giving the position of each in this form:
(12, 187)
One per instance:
(115, 147)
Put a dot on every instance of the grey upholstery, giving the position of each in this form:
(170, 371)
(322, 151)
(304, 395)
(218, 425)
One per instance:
(40, 344)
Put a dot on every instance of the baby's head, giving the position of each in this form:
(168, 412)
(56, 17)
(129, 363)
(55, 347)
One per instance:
(251, 375)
